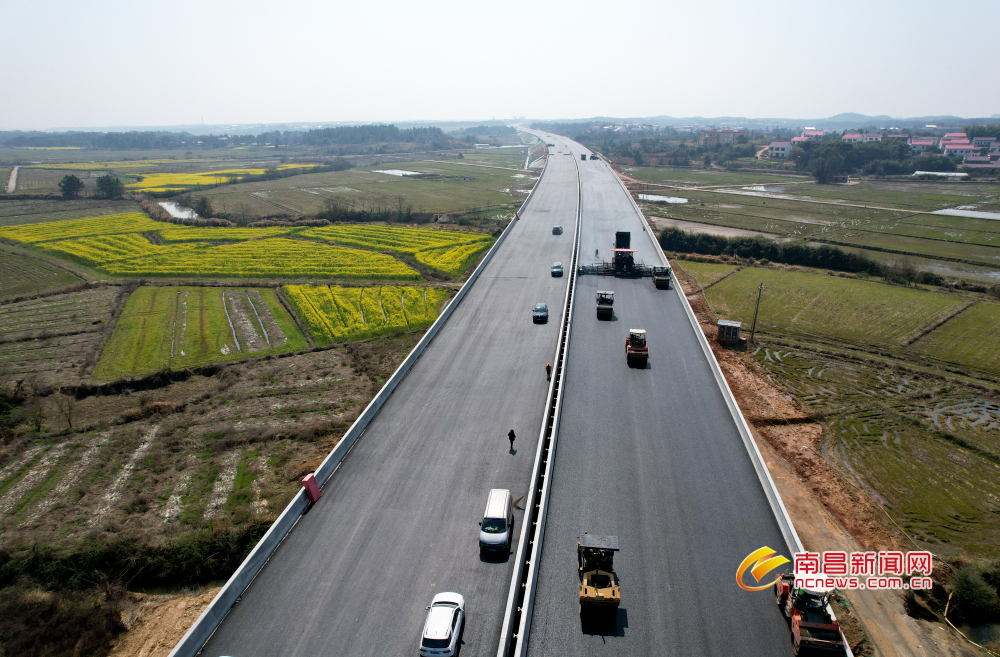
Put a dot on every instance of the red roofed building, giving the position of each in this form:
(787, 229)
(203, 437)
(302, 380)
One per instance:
(798, 141)
(920, 144)
(853, 138)
(960, 150)
(813, 135)
(956, 135)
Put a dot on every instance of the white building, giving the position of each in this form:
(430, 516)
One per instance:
(779, 149)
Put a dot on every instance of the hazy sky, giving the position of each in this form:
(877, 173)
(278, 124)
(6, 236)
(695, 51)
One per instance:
(178, 62)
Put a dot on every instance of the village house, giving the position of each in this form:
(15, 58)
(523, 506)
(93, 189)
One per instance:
(852, 138)
(920, 145)
(813, 135)
(960, 150)
(779, 149)
(871, 136)
(711, 137)
(798, 141)
(983, 142)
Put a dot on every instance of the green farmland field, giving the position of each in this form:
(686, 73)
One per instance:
(451, 185)
(178, 327)
(20, 274)
(830, 307)
(705, 273)
(968, 339)
(689, 177)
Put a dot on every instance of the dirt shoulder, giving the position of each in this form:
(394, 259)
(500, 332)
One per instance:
(828, 512)
(155, 623)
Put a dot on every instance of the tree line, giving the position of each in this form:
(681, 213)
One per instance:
(794, 253)
(165, 140)
(827, 159)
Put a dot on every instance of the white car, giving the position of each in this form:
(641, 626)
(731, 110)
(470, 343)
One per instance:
(445, 620)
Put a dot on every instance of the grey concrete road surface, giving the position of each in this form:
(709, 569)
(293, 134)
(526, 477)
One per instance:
(399, 521)
(653, 456)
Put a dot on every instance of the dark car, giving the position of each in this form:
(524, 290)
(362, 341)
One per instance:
(557, 269)
(540, 313)
(557, 230)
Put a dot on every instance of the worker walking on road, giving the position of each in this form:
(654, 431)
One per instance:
(511, 436)
(548, 371)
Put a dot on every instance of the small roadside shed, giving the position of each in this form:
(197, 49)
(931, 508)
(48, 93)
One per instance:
(729, 331)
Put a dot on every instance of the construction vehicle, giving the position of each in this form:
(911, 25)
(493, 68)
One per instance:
(599, 589)
(623, 263)
(636, 351)
(593, 156)
(661, 278)
(810, 620)
(583, 156)
(605, 305)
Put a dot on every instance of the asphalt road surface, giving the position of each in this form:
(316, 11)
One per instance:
(399, 521)
(654, 457)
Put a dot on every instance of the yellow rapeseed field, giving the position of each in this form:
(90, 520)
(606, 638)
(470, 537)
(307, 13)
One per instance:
(196, 250)
(446, 250)
(453, 260)
(171, 181)
(112, 224)
(335, 314)
(271, 257)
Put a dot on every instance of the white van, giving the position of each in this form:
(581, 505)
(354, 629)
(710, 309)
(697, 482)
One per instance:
(497, 528)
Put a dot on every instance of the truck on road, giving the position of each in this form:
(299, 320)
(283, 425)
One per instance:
(809, 619)
(636, 351)
(599, 588)
(605, 305)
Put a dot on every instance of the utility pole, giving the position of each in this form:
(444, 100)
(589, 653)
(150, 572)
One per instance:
(753, 329)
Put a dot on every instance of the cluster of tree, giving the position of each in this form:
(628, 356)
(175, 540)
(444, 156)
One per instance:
(367, 208)
(761, 248)
(901, 271)
(120, 141)
(368, 134)
(490, 131)
(825, 160)
(989, 130)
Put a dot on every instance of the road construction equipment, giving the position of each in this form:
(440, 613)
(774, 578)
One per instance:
(605, 305)
(599, 589)
(809, 618)
(636, 351)
(623, 263)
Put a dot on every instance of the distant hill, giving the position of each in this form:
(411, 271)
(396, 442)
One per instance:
(842, 121)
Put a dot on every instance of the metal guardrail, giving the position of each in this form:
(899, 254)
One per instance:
(203, 628)
(792, 541)
(521, 595)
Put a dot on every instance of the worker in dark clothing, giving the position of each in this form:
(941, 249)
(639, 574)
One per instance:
(548, 371)
(511, 436)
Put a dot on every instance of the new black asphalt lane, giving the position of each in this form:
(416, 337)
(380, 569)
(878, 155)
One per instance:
(652, 456)
(399, 521)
